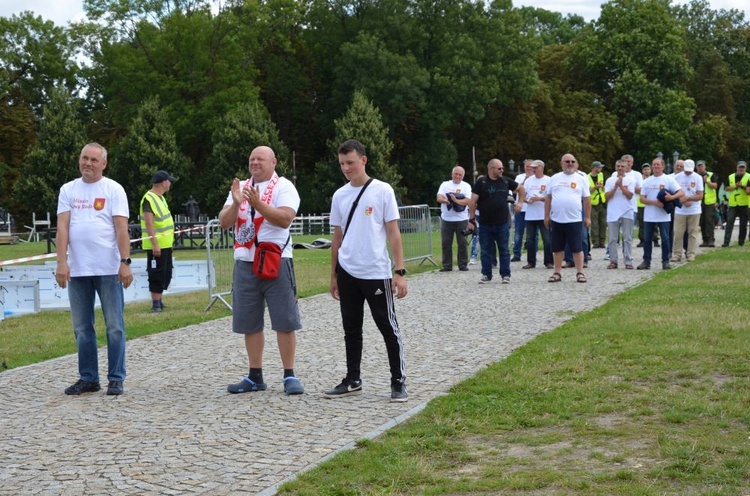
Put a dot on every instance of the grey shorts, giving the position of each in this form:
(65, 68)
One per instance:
(251, 295)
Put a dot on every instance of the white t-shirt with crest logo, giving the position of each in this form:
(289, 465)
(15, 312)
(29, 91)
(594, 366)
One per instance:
(92, 244)
(364, 251)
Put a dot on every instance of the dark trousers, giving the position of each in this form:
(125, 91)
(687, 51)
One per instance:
(494, 239)
(353, 293)
(159, 270)
(449, 229)
(598, 225)
(642, 228)
(732, 213)
(519, 226)
(666, 241)
(708, 223)
(533, 229)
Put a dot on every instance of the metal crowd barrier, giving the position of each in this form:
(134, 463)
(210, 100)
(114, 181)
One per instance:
(416, 233)
(416, 236)
(220, 257)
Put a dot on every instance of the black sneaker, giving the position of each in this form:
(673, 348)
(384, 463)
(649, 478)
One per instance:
(398, 393)
(114, 388)
(348, 387)
(82, 386)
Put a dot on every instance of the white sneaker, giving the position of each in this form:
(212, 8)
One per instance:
(485, 280)
(473, 261)
(506, 280)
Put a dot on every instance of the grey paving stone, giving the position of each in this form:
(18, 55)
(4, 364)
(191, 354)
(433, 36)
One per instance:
(177, 431)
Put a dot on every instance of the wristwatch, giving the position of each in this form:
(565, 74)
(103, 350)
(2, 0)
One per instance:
(400, 272)
(126, 261)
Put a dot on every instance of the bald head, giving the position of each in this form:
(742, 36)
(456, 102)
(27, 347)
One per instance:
(494, 168)
(262, 163)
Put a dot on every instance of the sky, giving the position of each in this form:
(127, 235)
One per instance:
(62, 11)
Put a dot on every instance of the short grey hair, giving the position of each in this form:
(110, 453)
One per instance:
(94, 144)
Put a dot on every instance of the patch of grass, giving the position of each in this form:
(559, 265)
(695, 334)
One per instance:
(645, 395)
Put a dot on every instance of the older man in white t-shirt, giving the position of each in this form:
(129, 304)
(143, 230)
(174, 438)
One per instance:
(454, 197)
(654, 214)
(619, 191)
(568, 195)
(535, 193)
(687, 217)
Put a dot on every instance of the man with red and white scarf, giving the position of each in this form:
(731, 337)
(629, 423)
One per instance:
(263, 207)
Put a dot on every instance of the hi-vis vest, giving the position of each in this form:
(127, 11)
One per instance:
(597, 196)
(163, 222)
(709, 194)
(738, 197)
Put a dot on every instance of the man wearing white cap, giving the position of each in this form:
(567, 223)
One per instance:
(687, 217)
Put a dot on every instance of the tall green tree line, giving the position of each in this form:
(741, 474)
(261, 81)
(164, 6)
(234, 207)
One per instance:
(193, 85)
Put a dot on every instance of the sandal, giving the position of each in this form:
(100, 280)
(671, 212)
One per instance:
(556, 277)
(628, 266)
(246, 385)
(581, 277)
(612, 265)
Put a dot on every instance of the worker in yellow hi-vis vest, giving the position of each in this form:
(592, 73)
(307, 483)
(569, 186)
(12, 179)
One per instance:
(598, 205)
(157, 227)
(738, 183)
(709, 204)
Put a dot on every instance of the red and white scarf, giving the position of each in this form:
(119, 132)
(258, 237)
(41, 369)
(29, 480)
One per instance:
(245, 232)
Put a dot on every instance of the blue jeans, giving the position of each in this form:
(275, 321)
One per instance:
(82, 293)
(533, 229)
(666, 240)
(519, 221)
(475, 244)
(491, 236)
(586, 252)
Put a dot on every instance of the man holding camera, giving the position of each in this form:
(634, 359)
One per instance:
(454, 196)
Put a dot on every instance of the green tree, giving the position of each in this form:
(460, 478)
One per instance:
(239, 132)
(634, 57)
(35, 57)
(17, 135)
(149, 146)
(718, 50)
(53, 160)
(199, 63)
(362, 121)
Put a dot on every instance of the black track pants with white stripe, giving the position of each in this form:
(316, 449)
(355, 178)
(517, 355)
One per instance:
(353, 293)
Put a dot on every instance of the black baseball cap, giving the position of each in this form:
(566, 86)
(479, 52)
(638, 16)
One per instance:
(162, 176)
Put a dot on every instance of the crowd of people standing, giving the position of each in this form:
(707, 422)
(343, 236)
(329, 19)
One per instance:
(573, 212)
